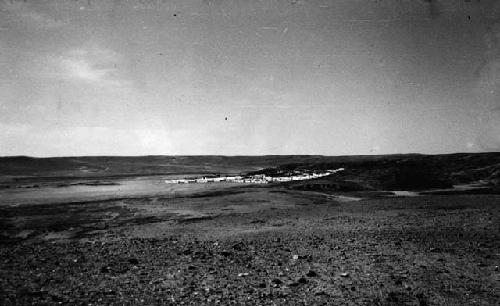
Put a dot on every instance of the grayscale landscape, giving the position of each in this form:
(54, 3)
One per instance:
(250, 152)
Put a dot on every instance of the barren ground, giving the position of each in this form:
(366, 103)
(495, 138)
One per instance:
(234, 245)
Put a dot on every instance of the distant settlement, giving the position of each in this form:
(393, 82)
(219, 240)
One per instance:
(257, 178)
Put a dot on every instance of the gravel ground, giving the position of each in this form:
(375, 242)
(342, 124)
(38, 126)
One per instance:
(293, 250)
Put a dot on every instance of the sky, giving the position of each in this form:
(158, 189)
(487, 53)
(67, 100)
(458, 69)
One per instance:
(240, 77)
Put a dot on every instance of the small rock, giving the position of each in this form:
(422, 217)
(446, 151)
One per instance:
(238, 246)
(133, 261)
(56, 298)
(344, 274)
(311, 273)
(295, 257)
(242, 274)
(257, 221)
(277, 281)
(422, 300)
(307, 257)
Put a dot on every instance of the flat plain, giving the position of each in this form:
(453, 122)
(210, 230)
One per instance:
(391, 230)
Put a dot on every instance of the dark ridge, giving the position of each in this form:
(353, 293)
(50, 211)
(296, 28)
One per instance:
(396, 172)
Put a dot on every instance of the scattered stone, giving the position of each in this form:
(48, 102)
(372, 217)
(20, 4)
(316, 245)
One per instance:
(207, 276)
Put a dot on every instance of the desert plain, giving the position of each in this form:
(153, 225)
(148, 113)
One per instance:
(389, 230)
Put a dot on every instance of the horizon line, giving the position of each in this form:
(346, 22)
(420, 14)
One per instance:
(240, 155)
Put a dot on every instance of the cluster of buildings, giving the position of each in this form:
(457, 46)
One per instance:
(257, 178)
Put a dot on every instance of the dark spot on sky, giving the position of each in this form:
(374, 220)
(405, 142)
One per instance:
(226, 118)
(175, 15)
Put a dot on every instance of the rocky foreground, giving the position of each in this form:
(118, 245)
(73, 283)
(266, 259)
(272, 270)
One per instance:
(435, 250)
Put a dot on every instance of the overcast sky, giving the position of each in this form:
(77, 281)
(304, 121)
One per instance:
(242, 77)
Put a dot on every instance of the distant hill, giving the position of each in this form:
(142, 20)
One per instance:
(92, 166)
(377, 172)
(403, 172)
